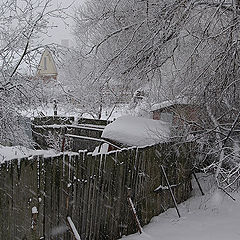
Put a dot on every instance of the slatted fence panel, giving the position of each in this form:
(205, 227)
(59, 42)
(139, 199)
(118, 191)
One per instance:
(92, 190)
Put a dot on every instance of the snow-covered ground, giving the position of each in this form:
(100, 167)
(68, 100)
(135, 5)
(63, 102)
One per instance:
(214, 216)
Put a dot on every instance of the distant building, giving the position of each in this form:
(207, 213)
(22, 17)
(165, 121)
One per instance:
(181, 115)
(174, 112)
(47, 69)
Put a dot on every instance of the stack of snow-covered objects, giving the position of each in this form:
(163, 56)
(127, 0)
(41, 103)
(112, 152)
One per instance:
(135, 131)
(67, 133)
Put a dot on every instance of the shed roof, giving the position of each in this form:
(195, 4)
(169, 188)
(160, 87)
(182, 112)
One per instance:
(169, 103)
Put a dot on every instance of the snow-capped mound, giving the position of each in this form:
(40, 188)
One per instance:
(136, 131)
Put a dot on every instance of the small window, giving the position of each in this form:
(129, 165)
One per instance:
(166, 117)
(45, 63)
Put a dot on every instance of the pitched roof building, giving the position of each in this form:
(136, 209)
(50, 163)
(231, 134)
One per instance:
(47, 69)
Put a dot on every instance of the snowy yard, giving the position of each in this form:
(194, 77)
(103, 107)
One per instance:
(214, 216)
(162, 74)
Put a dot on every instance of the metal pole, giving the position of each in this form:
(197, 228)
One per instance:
(170, 189)
(135, 215)
(73, 228)
(139, 227)
(198, 183)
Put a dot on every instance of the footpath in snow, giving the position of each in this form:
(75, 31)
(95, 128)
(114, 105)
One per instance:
(214, 216)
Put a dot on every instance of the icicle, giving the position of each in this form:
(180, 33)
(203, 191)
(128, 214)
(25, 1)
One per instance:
(69, 168)
(136, 157)
(100, 164)
(63, 165)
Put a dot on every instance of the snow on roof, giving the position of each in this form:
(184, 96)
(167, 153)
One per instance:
(136, 131)
(169, 103)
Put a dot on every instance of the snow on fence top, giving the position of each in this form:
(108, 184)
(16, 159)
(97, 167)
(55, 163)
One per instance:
(136, 131)
(17, 152)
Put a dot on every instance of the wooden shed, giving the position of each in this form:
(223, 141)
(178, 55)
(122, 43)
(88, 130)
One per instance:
(183, 117)
(174, 112)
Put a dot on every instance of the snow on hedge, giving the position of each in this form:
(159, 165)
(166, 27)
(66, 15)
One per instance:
(136, 131)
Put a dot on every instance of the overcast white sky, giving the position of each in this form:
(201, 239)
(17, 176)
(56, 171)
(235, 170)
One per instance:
(62, 31)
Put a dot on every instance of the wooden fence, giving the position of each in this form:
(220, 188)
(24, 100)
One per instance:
(37, 194)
